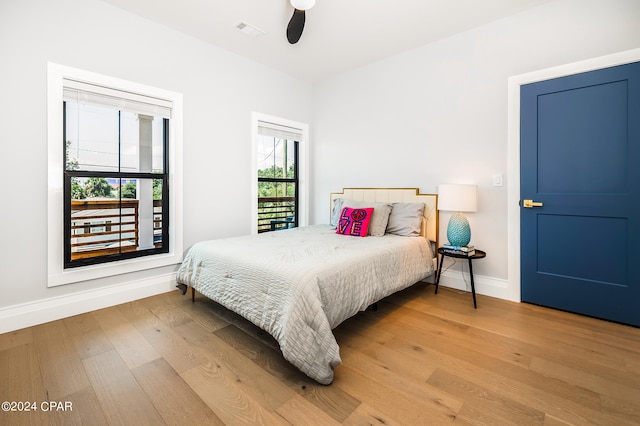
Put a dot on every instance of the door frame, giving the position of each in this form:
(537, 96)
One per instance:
(513, 148)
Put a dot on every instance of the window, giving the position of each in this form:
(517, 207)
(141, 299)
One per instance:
(277, 180)
(114, 158)
(116, 182)
(279, 155)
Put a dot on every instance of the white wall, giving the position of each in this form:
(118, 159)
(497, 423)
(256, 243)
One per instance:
(220, 91)
(438, 114)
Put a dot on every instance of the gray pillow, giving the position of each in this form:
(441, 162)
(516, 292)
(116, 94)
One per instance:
(406, 219)
(379, 218)
(335, 212)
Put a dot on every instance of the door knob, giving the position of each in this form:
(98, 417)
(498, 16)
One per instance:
(530, 203)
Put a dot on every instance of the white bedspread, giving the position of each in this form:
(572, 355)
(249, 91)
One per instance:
(299, 284)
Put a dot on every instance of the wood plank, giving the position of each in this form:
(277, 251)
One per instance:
(254, 381)
(404, 407)
(606, 381)
(502, 409)
(364, 321)
(177, 403)
(632, 364)
(299, 411)
(626, 409)
(474, 415)
(431, 396)
(625, 394)
(62, 370)
(263, 355)
(201, 312)
(367, 415)
(21, 380)
(120, 396)
(331, 399)
(245, 325)
(87, 336)
(386, 358)
(16, 338)
(579, 345)
(85, 410)
(174, 349)
(550, 420)
(132, 347)
(222, 395)
(134, 310)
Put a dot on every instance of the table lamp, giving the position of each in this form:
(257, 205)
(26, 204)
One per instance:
(458, 198)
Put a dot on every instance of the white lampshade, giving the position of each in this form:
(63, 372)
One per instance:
(303, 4)
(458, 197)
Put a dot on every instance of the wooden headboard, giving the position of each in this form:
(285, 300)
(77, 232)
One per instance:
(398, 195)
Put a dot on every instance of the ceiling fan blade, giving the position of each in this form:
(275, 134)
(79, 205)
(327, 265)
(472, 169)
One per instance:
(296, 25)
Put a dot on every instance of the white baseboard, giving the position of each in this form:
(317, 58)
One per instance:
(488, 286)
(41, 311)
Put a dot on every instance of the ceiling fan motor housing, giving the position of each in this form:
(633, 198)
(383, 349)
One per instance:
(303, 4)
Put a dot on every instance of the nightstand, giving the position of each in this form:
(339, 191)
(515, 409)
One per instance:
(479, 254)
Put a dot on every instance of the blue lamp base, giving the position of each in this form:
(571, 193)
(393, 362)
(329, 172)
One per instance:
(458, 230)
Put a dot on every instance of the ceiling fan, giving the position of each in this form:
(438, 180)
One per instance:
(296, 24)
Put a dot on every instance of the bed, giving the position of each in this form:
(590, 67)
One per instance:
(299, 284)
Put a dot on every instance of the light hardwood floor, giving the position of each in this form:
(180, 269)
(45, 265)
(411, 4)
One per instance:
(420, 359)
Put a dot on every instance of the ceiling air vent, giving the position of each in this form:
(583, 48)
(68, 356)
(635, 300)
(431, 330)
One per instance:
(248, 29)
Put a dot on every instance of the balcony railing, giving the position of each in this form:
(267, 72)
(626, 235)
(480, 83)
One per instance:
(276, 213)
(103, 227)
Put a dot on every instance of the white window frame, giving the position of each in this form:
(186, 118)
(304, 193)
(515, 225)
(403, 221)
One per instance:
(303, 168)
(56, 274)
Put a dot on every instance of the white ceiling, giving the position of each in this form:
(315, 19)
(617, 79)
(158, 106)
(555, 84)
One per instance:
(339, 34)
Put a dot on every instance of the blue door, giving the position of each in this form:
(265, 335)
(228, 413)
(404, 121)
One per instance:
(580, 167)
